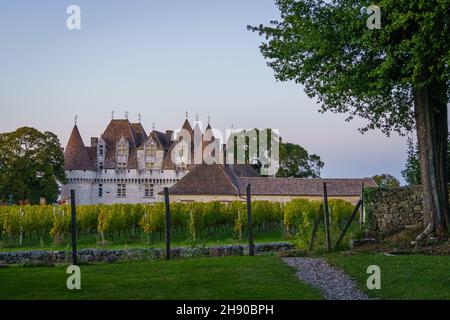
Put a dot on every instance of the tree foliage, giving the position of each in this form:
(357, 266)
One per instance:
(296, 162)
(31, 165)
(327, 47)
(396, 77)
(412, 173)
(386, 180)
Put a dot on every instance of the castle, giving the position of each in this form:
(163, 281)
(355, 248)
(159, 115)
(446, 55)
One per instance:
(127, 165)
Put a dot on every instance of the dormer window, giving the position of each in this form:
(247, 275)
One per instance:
(122, 150)
(150, 155)
(181, 152)
(122, 153)
(121, 165)
(151, 149)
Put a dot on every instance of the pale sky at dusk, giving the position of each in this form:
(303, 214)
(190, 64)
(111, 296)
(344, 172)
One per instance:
(159, 58)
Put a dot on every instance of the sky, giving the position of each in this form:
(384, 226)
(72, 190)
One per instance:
(160, 58)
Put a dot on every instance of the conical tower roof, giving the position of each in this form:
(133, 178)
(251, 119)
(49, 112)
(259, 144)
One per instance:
(76, 156)
(209, 131)
(187, 126)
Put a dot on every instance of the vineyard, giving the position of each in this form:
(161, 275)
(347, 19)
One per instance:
(190, 221)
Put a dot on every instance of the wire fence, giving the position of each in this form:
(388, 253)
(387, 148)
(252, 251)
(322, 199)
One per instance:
(193, 223)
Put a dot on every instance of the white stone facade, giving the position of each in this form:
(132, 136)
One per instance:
(102, 187)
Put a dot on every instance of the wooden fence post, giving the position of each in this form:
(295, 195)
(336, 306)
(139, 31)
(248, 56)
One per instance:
(361, 214)
(326, 216)
(349, 222)
(73, 227)
(315, 228)
(167, 202)
(251, 245)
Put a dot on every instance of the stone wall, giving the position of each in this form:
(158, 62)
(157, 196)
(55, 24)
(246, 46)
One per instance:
(96, 256)
(389, 210)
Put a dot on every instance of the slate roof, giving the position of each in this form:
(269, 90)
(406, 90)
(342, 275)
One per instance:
(304, 187)
(208, 137)
(163, 138)
(187, 126)
(168, 164)
(214, 179)
(113, 133)
(76, 155)
(233, 179)
(80, 157)
(140, 134)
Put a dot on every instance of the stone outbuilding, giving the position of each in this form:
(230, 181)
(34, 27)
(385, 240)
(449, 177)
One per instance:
(227, 183)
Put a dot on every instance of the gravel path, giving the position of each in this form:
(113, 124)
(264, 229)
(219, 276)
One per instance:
(332, 283)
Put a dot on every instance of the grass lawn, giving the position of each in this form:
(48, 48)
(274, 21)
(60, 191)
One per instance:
(90, 241)
(402, 277)
(242, 277)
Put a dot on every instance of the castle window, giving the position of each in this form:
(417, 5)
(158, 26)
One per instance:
(149, 165)
(181, 165)
(100, 165)
(122, 154)
(101, 149)
(100, 190)
(122, 150)
(149, 191)
(121, 190)
(122, 165)
(151, 150)
(150, 155)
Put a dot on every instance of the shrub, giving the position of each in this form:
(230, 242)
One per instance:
(196, 219)
(61, 224)
(340, 212)
(237, 212)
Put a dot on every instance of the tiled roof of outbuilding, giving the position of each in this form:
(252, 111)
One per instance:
(204, 179)
(233, 179)
(303, 187)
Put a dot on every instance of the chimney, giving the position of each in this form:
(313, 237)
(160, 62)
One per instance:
(94, 142)
(169, 133)
(224, 146)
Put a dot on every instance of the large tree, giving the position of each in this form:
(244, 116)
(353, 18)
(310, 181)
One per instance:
(292, 160)
(396, 77)
(31, 166)
(296, 162)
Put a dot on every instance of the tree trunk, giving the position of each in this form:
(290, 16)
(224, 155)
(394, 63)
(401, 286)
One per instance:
(432, 134)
